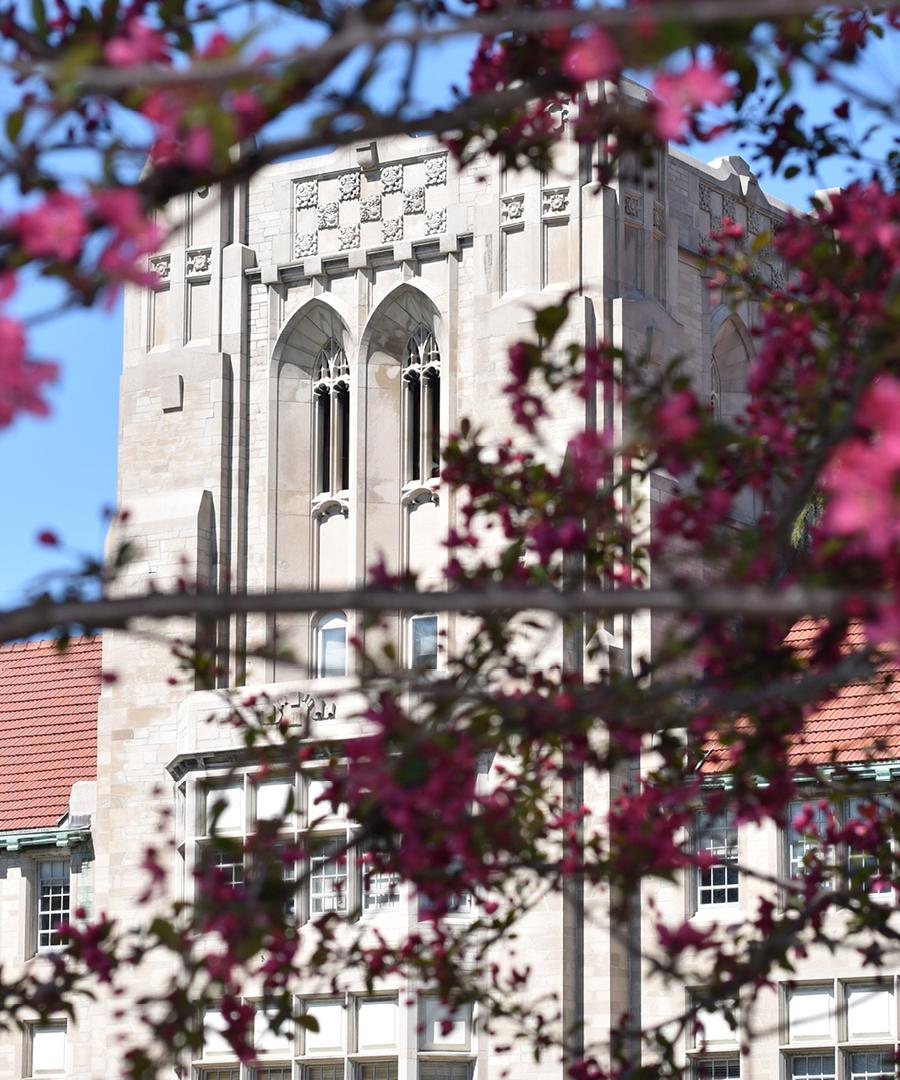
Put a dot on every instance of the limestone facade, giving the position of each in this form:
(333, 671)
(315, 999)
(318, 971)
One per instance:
(314, 332)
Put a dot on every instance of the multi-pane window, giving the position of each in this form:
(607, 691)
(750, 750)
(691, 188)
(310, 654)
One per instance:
(229, 863)
(718, 882)
(53, 901)
(45, 1049)
(422, 407)
(379, 888)
(725, 1068)
(864, 864)
(331, 419)
(849, 1028)
(328, 876)
(423, 641)
(811, 1067)
(871, 1065)
(808, 845)
(376, 1070)
(311, 864)
(330, 1070)
(331, 645)
(355, 1037)
(445, 1070)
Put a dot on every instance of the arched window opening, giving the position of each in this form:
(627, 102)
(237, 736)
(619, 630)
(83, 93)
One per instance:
(422, 407)
(331, 645)
(715, 391)
(331, 428)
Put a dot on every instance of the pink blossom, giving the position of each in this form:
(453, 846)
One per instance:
(592, 57)
(199, 148)
(249, 111)
(677, 417)
(54, 229)
(140, 44)
(21, 380)
(678, 96)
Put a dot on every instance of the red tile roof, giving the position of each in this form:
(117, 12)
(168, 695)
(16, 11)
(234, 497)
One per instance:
(48, 728)
(861, 723)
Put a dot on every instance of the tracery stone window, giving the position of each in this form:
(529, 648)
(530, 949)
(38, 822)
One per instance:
(331, 419)
(422, 407)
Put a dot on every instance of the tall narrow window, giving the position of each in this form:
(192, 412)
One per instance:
(328, 877)
(423, 641)
(422, 407)
(53, 902)
(331, 419)
(718, 882)
(331, 645)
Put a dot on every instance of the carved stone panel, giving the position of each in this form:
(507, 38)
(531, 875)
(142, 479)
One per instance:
(414, 201)
(512, 210)
(436, 171)
(306, 244)
(633, 206)
(392, 229)
(306, 194)
(391, 179)
(370, 208)
(348, 237)
(555, 201)
(349, 186)
(328, 216)
(198, 261)
(435, 222)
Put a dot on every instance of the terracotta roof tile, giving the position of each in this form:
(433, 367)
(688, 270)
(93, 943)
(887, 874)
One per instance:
(48, 728)
(860, 723)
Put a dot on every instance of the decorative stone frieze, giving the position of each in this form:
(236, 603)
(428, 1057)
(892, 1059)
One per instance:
(757, 222)
(391, 179)
(306, 194)
(306, 244)
(659, 217)
(729, 209)
(161, 265)
(198, 261)
(370, 208)
(328, 216)
(414, 201)
(435, 222)
(349, 186)
(512, 210)
(705, 192)
(435, 171)
(348, 237)
(392, 229)
(633, 205)
(555, 201)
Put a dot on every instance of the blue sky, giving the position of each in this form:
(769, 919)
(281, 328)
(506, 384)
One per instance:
(60, 472)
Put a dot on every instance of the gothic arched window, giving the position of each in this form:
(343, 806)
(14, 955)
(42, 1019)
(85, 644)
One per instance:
(715, 390)
(331, 414)
(421, 407)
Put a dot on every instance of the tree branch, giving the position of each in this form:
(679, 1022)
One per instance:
(361, 33)
(45, 616)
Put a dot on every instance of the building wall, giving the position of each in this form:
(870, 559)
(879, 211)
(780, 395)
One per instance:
(363, 246)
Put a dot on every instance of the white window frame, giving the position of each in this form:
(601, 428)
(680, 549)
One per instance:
(325, 623)
(421, 410)
(705, 886)
(410, 641)
(32, 1029)
(44, 938)
(837, 1044)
